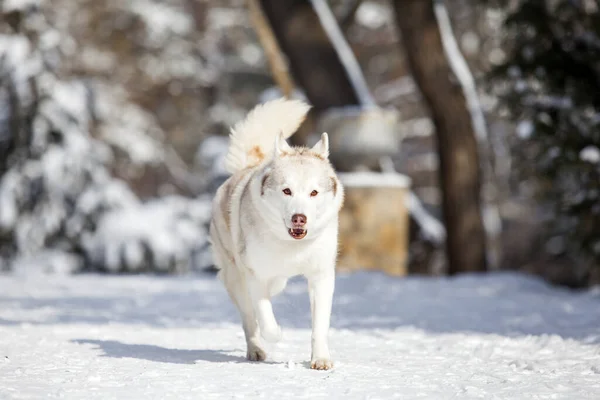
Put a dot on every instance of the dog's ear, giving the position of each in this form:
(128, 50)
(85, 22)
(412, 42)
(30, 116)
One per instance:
(322, 146)
(281, 145)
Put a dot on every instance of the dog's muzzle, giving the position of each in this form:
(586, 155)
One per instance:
(297, 231)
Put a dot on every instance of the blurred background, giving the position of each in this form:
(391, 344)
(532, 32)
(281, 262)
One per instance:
(471, 125)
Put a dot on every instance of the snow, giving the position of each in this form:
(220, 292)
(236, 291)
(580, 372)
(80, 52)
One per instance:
(374, 179)
(128, 127)
(11, 5)
(590, 154)
(372, 15)
(222, 18)
(59, 204)
(496, 336)
(431, 229)
(161, 19)
(165, 233)
(251, 54)
(525, 129)
(211, 154)
(274, 92)
(47, 262)
(397, 88)
(344, 51)
(497, 56)
(553, 102)
(14, 48)
(470, 42)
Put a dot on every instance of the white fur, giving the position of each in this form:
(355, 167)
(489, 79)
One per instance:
(260, 127)
(252, 215)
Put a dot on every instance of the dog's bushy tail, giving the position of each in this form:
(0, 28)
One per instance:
(252, 140)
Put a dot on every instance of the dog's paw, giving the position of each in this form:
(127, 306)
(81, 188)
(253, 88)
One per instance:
(321, 364)
(271, 334)
(255, 353)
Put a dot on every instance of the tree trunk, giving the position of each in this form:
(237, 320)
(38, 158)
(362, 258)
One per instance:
(460, 175)
(314, 62)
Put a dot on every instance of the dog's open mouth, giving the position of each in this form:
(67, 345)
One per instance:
(297, 233)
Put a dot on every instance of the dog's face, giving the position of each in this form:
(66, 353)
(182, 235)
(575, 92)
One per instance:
(301, 190)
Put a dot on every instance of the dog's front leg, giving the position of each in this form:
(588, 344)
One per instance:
(260, 294)
(321, 289)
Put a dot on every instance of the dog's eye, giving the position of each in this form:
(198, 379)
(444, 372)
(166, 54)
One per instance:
(287, 192)
(313, 193)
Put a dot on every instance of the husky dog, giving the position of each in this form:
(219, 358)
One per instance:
(274, 218)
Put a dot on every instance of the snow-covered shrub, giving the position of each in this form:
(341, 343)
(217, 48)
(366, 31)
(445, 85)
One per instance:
(59, 202)
(550, 86)
(175, 58)
(211, 158)
(164, 235)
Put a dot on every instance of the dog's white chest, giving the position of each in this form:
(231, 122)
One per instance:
(285, 259)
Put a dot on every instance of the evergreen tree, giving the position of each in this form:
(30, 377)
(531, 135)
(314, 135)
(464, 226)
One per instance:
(550, 86)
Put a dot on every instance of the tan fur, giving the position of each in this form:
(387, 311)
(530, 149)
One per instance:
(252, 138)
(255, 156)
(334, 185)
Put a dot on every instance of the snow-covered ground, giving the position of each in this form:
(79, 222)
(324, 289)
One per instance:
(499, 336)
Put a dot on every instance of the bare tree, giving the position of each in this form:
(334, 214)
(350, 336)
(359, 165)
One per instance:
(313, 60)
(460, 174)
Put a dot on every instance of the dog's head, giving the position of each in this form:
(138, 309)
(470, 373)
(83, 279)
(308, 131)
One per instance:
(301, 190)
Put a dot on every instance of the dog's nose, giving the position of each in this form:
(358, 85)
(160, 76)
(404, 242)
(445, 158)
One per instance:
(299, 219)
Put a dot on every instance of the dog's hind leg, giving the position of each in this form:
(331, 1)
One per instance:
(238, 291)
